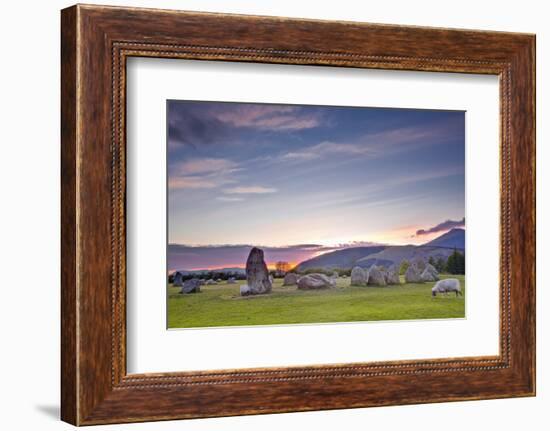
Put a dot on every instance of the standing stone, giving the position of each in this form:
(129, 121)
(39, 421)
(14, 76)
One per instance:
(412, 275)
(335, 275)
(290, 279)
(430, 274)
(432, 270)
(257, 276)
(271, 279)
(420, 264)
(392, 275)
(376, 277)
(178, 279)
(359, 276)
(315, 281)
(191, 286)
(231, 280)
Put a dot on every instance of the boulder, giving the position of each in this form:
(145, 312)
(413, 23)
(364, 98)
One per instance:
(290, 279)
(392, 275)
(427, 276)
(376, 277)
(412, 275)
(315, 281)
(178, 279)
(191, 286)
(359, 276)
(245, 290)
(420, 264)
(430, 274)
(257, 276)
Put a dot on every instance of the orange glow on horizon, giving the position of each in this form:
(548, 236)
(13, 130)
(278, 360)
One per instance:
(270, 266)
(403, 235)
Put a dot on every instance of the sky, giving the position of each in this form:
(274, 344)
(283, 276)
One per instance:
(305, 179)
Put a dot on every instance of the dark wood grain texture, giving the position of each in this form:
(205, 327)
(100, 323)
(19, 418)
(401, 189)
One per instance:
(96, 41)
(69, 397)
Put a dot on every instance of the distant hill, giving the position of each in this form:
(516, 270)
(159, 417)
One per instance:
(205, 271)
(344, 258)
(397, 253)
(455, 238)
(441, 247)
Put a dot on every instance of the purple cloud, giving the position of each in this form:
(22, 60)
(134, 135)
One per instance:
(267, 117)
(194, 124)
(446, 225)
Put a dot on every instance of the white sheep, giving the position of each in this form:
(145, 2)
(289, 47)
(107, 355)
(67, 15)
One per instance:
(446, 286)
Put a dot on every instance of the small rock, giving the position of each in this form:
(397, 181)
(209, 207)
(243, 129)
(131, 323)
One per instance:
(178, 279)
(191, 286)
(245, 290)
(290, 279)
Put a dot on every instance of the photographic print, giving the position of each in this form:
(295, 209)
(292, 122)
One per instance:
(299, 214)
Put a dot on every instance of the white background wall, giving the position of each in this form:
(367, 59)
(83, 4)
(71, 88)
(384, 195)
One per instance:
(29, 215)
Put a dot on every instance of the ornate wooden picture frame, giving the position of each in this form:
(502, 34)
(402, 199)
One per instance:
(96, 41)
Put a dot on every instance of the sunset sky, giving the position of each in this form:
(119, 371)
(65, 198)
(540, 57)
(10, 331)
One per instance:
(317, 176)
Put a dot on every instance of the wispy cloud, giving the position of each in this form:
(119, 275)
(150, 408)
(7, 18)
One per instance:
(250, 190)
(325, 149)
(202, 173)
(205, 165)
(229, 199)
(367, 146)
(194, 124)
(441, 227)
(267, 117)
(188, 126)
(193, 182)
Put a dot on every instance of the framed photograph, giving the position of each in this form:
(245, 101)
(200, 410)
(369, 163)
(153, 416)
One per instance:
(267, 215)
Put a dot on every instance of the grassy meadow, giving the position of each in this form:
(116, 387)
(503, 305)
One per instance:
(221, 305)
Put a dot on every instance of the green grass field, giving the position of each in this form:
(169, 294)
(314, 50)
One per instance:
(221, 305)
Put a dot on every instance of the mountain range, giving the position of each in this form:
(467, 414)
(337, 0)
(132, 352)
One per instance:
(455, 238)
(441, 247)
(343, 258)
